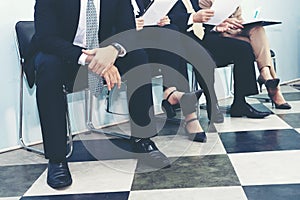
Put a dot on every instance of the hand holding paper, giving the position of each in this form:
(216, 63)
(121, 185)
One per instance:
(223, 9)
(157, 11)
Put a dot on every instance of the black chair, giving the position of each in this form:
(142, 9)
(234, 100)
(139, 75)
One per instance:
(24, 33)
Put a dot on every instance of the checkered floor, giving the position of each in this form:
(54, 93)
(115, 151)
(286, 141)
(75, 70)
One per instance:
(254, 159)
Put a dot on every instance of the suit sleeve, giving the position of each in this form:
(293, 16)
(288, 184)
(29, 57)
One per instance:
(49, 32)
(179, 16)
(125, 19)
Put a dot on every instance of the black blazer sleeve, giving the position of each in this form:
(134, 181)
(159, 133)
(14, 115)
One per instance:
(179, 16)
(52, 34)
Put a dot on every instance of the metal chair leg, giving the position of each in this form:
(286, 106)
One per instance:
(21, 139)
(89, 120)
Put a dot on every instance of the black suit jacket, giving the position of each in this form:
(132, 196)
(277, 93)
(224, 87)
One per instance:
(179, 16)
(56, 23)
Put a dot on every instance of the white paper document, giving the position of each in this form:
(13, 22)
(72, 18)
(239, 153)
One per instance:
(223, 9)
(157, 10)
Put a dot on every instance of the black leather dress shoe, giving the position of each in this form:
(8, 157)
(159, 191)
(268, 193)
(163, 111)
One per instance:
(149, 154)
(240, 110)
(59, 175)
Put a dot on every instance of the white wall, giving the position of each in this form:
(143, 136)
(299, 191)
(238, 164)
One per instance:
(11, 12)
(284, 41)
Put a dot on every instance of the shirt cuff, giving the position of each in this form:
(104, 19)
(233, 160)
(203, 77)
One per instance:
(191, 20)
(82, 58)
(190, 23)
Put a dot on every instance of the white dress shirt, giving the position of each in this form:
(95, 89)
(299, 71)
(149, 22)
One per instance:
(80, 37)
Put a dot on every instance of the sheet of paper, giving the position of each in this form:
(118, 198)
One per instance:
(157, 10)
(223, 9)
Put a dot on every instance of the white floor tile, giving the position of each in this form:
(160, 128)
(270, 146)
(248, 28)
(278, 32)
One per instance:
(176, 146)
(213, 193)
(278, 167)
(21, 157)
(246, 124)
(91, 177)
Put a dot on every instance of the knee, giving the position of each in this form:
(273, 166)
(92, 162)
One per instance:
(257, 30)
(48, 70)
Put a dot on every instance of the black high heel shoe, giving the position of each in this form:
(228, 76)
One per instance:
(198, 136)
(272, 84)
(188, 103)
(170, 109)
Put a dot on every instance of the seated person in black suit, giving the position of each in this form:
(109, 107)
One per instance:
(224, 51)
(175, 78)
(57, 50)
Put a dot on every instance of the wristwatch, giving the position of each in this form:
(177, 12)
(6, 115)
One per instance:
(121, 50)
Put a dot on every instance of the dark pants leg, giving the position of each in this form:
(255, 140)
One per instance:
(51, 75)
(139, 92)
(175, 75)
(227, 50)
(207, 85)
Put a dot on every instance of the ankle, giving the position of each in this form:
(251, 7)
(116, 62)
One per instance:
(265, 73)
(172, 95)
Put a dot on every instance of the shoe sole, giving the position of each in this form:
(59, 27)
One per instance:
(58, 186)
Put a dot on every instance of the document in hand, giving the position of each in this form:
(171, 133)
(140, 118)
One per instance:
(223, 9)
(261, 22)
(157, 11)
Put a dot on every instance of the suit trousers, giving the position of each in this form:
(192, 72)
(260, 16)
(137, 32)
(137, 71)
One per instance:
(228, 50)
(52, 74)
(174, 71)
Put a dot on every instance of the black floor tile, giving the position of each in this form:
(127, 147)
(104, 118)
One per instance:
(96, 196)
(292, 119)
(105, 149)
(273, 192)
(16, 180)
(265, 140)
(189, 172)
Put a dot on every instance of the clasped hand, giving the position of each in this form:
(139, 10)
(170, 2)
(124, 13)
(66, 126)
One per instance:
(101, 61)
(229, 24)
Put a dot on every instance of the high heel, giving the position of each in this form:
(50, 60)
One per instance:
(170, 109)
(198, 136)
(188, 103)
(270, 83)
(167, 107)
(284, 106)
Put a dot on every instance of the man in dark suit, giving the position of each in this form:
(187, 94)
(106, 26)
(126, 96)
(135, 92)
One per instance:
(223, 51)
(58, 50)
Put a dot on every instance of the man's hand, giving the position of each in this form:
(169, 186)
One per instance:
(112, 77)
(101, 59)
(139, 23)
(203, 15)
(164, 21)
